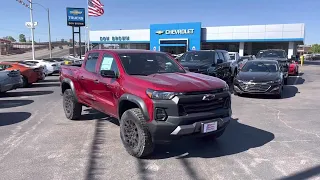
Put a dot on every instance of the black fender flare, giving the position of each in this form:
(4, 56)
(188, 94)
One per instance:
(138, 101)
(70, 83)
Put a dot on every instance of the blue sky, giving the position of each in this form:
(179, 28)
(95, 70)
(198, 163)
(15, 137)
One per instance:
(128, 14)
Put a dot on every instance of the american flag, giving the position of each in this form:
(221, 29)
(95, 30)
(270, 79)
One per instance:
(95, 8)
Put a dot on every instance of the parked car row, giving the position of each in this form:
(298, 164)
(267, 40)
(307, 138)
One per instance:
(265, 73)
(16, 74)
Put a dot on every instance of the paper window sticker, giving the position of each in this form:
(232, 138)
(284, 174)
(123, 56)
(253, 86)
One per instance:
(106, 63)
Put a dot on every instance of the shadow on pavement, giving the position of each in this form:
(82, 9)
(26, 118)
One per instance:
(312, 172)
(297, 80)
(45, 85)
(236, 139)
(96, 152)
(14, 103)
(97, 115)
(26, 93)
(13, 117)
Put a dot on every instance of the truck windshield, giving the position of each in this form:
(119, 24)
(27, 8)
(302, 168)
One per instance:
(149, 63)
(271, 54)
(197, 56)
(260, 67)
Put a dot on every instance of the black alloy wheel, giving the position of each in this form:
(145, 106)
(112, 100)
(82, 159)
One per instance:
(72, 108)
(131, 135)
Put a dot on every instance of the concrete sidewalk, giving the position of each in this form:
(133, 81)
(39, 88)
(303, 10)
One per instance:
(28, 55)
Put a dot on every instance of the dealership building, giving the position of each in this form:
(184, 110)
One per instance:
(180, 37)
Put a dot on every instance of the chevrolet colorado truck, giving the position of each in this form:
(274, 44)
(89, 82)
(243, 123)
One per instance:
(215, 63)
(154, 98)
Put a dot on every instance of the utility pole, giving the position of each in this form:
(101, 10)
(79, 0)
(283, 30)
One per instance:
(32, 30)
(49, 33)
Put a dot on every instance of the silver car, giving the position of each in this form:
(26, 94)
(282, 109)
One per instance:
(9, 80)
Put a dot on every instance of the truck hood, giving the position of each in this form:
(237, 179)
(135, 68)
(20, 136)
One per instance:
(181, 82)
(258, 76)
(197, 65)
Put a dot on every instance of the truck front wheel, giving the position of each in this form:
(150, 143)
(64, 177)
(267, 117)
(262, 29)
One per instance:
(72, 108)
(135, 134)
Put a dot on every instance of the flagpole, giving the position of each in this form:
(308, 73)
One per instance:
(88, 28)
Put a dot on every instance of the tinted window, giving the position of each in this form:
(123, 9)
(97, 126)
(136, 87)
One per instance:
(197, 56)
(271, 54)
(252, 66)
(232, 56)
(109, 63)
(221, 56)
(226, 56)
(91, 62)
(148, 63)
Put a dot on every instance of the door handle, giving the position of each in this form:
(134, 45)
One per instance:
(96, 81)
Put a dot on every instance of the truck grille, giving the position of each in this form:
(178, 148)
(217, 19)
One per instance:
(204, 106)
(254, 87)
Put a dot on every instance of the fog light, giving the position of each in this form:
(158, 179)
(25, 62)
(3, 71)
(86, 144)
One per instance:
(161, 114)
(276, 88)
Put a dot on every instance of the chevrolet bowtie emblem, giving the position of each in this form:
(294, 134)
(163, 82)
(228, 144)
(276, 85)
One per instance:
(159, 32)
(75, 12)
(208, 97)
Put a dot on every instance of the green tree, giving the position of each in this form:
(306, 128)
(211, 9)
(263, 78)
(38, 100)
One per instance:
(315, 48)
(22, 38)
(10, 38)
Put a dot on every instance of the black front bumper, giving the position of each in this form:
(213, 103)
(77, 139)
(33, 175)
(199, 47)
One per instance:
(177, 125)
(261, 88)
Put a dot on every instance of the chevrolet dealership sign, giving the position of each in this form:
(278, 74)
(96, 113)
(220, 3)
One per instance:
(176, 31)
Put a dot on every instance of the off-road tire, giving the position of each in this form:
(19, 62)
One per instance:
(145, 145)
(71, 107)
(25, 83)
(213, 136)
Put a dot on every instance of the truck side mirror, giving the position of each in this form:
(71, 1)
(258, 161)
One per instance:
(108, 74)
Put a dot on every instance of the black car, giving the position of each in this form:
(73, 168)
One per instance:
(210, 62)
(279, 55)
(260, 77)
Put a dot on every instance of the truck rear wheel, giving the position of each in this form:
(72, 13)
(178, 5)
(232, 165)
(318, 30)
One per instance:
(72, 108)
(135, 134)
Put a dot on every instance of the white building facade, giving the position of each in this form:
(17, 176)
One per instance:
(181, 37)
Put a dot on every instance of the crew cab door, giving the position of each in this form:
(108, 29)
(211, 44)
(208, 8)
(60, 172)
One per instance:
(106, 90)
(219, 66)
(86, 78)
(223, 67)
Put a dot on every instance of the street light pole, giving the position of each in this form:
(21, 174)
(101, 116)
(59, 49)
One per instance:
(32, 30)
(49, 32)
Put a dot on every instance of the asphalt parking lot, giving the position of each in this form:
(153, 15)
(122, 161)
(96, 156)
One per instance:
(267, 139)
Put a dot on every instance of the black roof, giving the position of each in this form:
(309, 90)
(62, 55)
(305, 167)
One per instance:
(264, 61)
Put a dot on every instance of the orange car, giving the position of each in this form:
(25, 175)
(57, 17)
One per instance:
(30, 75)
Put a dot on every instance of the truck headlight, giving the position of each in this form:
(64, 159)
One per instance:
(161, 95)
(226, 87)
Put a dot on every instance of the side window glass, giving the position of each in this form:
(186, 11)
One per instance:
(216, 57)
(226, 57)
(91, 62)
(221, 56)
(109, 63)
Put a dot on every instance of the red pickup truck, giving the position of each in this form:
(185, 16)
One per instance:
(154, 98)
